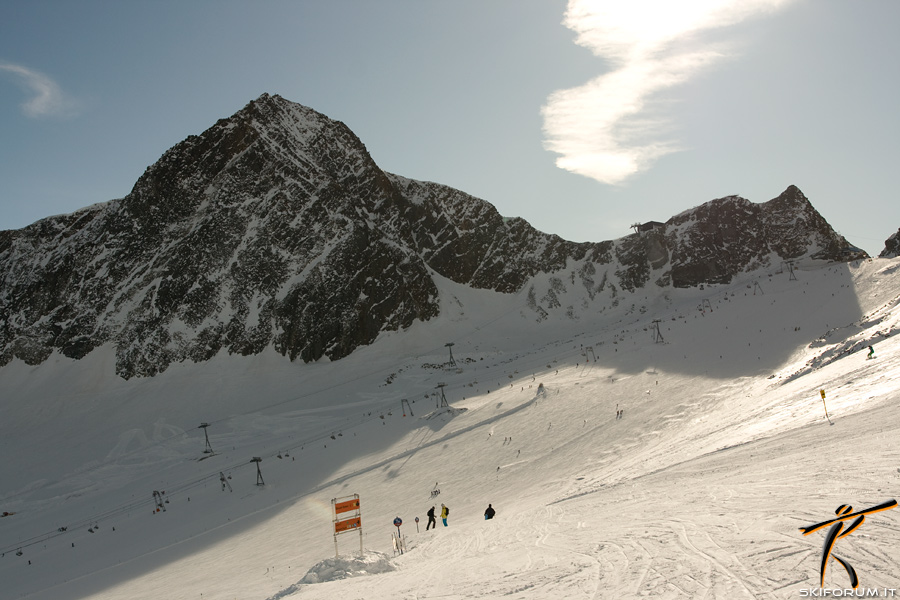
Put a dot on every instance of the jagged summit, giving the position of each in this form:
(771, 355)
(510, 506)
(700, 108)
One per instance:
(255, 151)
(891, 246)
(275, 227)
(711, 242)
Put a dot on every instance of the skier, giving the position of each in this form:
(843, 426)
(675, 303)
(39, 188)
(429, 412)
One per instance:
(445, 512)
(431, 520)
(489, 513)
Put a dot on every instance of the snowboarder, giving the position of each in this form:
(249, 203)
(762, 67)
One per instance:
(489, 513)
(431, 520)
(871, 353)
(445, 512)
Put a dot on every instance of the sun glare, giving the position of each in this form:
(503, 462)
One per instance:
(608, 129)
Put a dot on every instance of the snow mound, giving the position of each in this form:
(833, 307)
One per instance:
(343, 567)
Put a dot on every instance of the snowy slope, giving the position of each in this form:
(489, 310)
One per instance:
(722, 453)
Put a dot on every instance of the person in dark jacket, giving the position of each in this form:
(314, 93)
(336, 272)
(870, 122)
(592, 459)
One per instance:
(489, 513)
(431, 520)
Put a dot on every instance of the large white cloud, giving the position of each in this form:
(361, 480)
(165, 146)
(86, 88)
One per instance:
(610, 128)
(47, 99)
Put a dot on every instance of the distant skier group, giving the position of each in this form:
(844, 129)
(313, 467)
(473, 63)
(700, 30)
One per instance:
(445, 512)
(431, 520)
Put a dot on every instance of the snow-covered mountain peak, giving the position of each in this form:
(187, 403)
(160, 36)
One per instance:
(274, 228)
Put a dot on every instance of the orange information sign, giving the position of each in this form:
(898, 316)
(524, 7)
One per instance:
(342, 507)
(344, 522)
(347, 524)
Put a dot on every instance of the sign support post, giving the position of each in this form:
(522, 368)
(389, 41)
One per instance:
(347, 517)
(397, 523)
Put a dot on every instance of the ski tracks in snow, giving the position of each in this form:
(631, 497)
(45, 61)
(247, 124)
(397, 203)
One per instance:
(486, 562)
(674, 558)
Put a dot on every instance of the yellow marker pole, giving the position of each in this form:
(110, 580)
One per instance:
(822, 393)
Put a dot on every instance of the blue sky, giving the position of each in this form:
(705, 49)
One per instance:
(578, 116)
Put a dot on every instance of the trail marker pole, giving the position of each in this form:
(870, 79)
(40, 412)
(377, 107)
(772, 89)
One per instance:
(397, 523)
(822, 393)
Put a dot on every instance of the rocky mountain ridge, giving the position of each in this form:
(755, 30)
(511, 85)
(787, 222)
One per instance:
(891, 246)
(276, 228)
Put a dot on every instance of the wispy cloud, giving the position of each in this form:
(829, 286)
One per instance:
(46, 98)
(613, 127)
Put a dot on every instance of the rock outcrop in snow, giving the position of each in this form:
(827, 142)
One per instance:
(276, 228)
(711, 243)
(891, 246)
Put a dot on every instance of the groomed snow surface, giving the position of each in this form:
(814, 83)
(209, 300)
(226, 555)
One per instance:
(722, 453)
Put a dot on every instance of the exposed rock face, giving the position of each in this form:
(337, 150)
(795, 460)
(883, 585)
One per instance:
(466, 240)
(891, 246)
(275, 227)
(711, 243)
(261, 231)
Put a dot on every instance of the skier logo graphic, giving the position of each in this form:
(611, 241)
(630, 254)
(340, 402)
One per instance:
(843, 513)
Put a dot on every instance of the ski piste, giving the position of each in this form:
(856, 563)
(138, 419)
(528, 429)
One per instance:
(702, 487)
